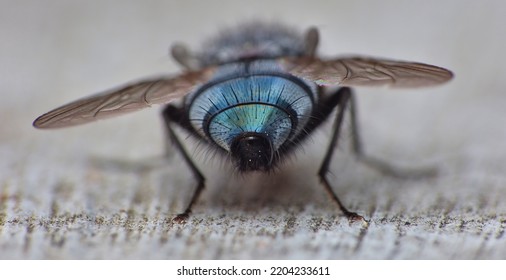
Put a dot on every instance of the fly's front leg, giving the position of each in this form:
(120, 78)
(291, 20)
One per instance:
(172, 114)
(344, 95)
(381, 166)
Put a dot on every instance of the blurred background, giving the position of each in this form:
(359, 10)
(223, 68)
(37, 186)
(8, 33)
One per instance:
(53, 52)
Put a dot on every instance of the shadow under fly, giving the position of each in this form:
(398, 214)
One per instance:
(254, 94)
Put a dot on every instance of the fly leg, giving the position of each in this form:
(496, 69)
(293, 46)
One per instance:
(379, 165)
(172, 114)
(344, 95)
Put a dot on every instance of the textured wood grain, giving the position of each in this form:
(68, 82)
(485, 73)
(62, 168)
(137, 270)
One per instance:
(102, 192)
(98, 208)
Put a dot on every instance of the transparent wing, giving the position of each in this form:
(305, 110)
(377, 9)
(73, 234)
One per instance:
(123, 100)
(364, 71)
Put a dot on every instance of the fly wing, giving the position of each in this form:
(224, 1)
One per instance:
(123, 100)
(365, 71)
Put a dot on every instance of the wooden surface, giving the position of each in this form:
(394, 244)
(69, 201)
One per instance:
(102, 191)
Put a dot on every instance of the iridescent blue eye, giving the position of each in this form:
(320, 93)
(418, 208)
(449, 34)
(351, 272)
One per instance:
(255, 93)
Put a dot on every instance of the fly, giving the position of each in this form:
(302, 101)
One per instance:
(255, 69)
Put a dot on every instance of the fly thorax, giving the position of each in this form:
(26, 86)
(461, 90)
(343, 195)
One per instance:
(253, 40)
(252, 113)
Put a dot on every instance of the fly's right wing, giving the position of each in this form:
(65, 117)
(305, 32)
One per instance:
(366, 71)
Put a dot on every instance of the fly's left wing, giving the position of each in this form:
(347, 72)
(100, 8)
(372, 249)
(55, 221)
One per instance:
(123, 100)
(366, 71)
